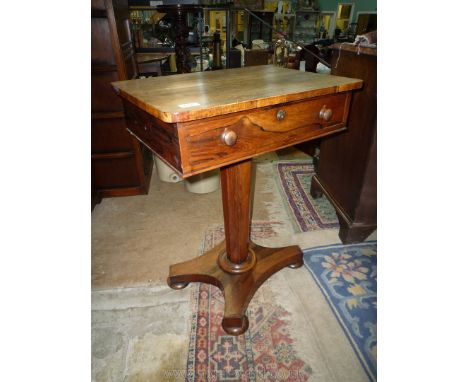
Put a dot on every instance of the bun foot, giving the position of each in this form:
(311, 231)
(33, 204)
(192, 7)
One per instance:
(296, 265)
(176, 286)
(235, 325)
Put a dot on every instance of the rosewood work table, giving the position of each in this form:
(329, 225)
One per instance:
(221, 119)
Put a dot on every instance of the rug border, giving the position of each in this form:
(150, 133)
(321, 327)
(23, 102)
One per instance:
(285, 199)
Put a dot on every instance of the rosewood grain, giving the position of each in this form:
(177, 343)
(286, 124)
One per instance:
(258, 132)
(235, 184)
(195, 96)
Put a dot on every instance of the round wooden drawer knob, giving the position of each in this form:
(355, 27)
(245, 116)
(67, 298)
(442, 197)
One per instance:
(280, 115)
(325, 113)
(229, 137)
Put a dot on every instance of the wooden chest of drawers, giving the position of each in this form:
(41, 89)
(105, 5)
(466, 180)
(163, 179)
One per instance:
(120, 165)
(347, 171)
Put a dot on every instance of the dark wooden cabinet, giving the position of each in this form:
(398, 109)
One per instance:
(347, 169)
(120, 165)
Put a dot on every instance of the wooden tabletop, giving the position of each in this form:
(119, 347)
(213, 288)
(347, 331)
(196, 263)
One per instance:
(143, 58)
(186, 97)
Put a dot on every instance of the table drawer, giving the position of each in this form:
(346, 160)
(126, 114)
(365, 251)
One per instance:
(214, 142)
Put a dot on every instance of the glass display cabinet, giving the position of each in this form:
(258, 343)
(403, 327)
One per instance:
(305, 26)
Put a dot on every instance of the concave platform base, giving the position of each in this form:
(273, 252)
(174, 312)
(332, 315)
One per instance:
(238, 288)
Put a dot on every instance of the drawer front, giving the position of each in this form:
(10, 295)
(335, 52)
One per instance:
(159, 136)
(215, 142)
(110, 135)
(103, 97)
(114, 173)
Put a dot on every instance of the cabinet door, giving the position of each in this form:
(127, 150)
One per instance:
(114, 173)
(110, 135)
(103, 97)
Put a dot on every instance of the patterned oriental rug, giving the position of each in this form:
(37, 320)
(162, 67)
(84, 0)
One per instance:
(309, 214)
(264, 353)
(347, 276)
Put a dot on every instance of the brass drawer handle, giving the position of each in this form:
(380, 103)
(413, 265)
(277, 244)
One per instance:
(280, 115)
(325, 113)
(229, 137)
